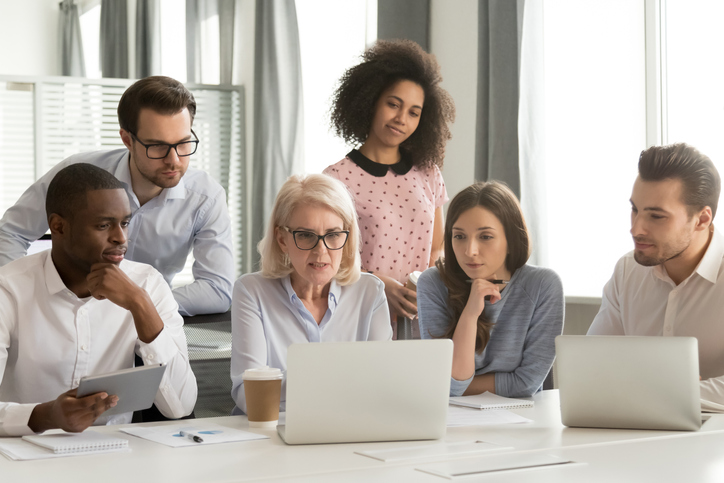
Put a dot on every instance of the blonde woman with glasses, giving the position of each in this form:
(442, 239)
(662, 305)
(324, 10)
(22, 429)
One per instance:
(310, 288)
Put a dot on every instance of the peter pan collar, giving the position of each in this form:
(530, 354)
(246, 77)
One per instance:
(377, 169)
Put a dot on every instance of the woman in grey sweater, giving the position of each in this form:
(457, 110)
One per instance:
(501, 314)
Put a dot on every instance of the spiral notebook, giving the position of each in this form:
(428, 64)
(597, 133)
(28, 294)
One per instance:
(488, 400)
(72, 443)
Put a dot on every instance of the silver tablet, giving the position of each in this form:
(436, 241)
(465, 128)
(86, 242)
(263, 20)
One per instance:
(136, 388)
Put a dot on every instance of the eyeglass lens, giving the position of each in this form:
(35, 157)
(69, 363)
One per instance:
(157, 151)
(306, 240)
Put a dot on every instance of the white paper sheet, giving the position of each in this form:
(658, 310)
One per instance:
(437, 450)
(460, 416)
(210, 432)
(456, 469)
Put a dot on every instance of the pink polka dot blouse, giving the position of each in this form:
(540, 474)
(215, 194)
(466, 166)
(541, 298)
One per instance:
(396, 211)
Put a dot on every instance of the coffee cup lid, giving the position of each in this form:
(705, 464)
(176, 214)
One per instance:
(414, 276)
(262, 373)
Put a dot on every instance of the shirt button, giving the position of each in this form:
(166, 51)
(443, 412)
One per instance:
(150, 357)
(83, 347)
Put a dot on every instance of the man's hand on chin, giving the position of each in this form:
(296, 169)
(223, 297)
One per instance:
(108, 281)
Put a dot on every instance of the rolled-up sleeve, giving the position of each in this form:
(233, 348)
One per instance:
(213, 267)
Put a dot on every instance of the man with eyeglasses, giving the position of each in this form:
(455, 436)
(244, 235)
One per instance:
(175, 208)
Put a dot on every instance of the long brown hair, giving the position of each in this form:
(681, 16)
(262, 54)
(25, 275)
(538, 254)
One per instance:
(497, 198)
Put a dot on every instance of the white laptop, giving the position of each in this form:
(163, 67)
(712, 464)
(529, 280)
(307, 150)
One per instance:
(629, 382)
(343, 392)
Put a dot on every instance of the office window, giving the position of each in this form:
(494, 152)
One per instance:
(694, 74)
(332, 36)
(90, 26)
(595, 128)
(172, 36)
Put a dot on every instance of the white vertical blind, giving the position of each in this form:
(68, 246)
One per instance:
(17, 141)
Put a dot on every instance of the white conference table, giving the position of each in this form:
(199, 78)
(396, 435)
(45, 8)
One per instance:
(604, 454)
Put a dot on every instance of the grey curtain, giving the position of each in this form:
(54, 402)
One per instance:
(499, 46)
(404, 19)
(226, 39)
(278, 110)
(195, 13)
(114, 39)
(148, 39)
(71, 44)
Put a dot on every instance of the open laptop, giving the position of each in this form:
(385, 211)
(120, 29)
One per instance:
(344, 392)
(629, 382)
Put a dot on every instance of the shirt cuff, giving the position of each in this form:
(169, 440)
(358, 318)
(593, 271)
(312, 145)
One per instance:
(16, 419)
(160, 350)
(457, 388)
(711, 399)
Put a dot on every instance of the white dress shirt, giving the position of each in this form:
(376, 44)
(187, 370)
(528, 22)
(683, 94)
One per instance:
(267, 316)
(162, 232)
(50, 339)
(642, 300)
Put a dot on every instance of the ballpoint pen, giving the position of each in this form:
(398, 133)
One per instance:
(495, 282)
(193, 437)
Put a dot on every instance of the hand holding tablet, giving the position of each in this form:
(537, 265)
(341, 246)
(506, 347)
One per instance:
(136, 388)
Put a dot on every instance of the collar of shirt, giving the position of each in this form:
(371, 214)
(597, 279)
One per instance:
(709, 265)
(123, 174)
(312, 327)
(52, 278)
(377, 169)
(55, 284)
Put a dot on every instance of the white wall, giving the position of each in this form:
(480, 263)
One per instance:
(454, 41)
(29, 37)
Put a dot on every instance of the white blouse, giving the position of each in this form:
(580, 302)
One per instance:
(267, 316)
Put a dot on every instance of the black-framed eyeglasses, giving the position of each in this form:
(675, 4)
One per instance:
(306, 240)
(160, 151)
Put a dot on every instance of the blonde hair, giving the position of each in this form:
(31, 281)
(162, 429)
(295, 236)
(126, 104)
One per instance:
(320, 190)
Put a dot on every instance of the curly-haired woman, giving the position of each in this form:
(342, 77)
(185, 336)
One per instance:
(393, 106)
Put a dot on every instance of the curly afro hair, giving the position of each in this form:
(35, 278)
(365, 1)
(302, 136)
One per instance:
(384, 64)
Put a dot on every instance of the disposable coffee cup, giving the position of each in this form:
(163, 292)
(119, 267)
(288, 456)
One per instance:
(262, 388)
(412, 284)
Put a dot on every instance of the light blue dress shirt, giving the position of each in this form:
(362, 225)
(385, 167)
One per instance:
(190, 216)
(267, 317)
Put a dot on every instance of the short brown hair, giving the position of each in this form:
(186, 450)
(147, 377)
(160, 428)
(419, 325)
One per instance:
(497, 198)
(161, 94)
(697, 173)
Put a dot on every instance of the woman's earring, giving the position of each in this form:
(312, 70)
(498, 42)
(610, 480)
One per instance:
(287, 261)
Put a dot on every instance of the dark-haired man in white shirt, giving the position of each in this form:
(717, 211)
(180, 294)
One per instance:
(80, 309)
(672, 283)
